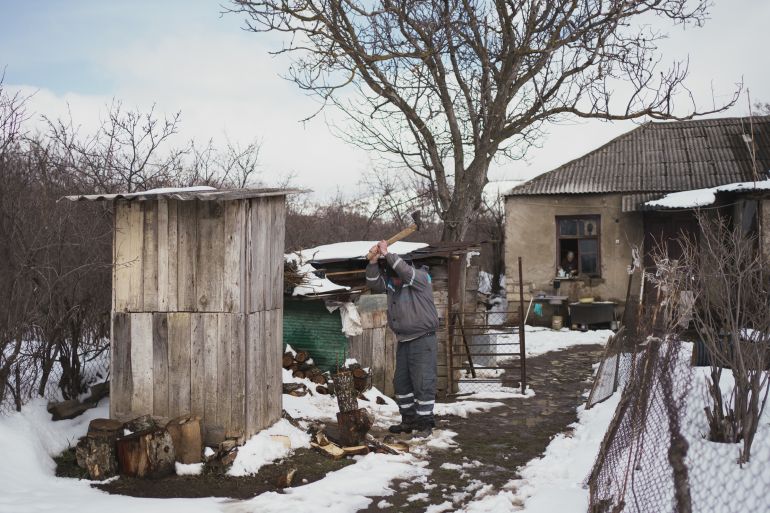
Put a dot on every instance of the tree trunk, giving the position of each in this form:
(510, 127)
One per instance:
(466, 201)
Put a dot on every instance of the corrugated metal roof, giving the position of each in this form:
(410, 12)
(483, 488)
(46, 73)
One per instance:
(186, 194)
(635, 202)
(664, 157)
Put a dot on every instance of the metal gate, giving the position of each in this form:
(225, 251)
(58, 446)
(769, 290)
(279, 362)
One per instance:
(486, 350)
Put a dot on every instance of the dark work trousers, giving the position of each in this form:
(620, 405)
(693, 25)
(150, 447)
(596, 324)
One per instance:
(415, 379)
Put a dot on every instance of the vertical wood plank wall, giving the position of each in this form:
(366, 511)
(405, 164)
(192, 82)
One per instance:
(197, 312)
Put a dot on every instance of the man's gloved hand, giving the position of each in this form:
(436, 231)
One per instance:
(375, 251)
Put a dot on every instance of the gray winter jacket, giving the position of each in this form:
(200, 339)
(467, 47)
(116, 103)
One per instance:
(411, 312)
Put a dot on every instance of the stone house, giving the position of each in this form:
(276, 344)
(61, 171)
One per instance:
(596, 206)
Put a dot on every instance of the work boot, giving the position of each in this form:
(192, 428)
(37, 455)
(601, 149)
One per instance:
(423, 429)
(406, 426)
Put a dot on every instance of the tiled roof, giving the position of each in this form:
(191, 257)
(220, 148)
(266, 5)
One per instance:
(663, 157)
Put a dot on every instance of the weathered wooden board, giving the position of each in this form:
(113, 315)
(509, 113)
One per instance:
(273, 376)
(197, 365)
(179, 363)
(256, 403)
(121, 383)
(223, 391)
(149, 261)
(162, 235)
(233, 270)
(141, 363)
(160, 365)
(237, 424)
(211, 343)
(210, 260)
(187, 253)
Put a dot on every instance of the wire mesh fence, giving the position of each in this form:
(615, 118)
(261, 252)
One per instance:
(657, 455)
(54, 375)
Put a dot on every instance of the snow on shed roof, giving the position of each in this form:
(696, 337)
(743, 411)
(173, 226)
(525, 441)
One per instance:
(199, 192)
(352, 249)
(702, 197)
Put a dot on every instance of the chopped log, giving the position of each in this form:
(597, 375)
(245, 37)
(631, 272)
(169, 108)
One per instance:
(347, 396)
(353, 426)
(322, 390)
(68, 409)
(319, 379)
(294, 367)
(298, 374)
(331, 450)
(140, 424)
(291, 420)
(302, 356)
(381, 448)
(362, 397)
(398, 446)
(186, 434)
(97, 456)
(282, 439)
(295, 389)
(146, 454)
(288, 360)
(96, 451)
(359, 372)
(356, 450)
(284, 480)
(109, 428)
(320, 438)
(381, 400)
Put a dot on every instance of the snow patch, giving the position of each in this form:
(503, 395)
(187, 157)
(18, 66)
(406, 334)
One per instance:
(701, 197)
(262, 448)
(188, 469)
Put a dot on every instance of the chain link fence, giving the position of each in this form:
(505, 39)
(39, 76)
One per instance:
(656, 456)
(53, 375)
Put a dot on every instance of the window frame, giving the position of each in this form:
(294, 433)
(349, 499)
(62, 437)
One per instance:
(597, 218)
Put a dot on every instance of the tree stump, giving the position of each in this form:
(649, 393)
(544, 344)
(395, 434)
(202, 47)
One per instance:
(146, 454)
(96, 451)
(186, 434)
(354, 422)
(139, 424)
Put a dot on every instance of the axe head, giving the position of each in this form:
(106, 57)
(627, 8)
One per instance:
(417, 219)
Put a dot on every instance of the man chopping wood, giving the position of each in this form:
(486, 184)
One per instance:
(413, 318)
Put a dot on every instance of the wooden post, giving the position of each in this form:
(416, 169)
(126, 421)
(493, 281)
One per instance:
(522, 349)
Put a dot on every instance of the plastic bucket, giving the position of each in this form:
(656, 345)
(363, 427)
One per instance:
(557, 322)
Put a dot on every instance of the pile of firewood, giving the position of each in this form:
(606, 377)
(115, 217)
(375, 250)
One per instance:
(142, 447)
(301, 366)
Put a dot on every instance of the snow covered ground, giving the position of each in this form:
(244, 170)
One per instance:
(29, 440)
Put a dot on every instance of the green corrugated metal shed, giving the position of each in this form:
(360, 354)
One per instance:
(308, 325)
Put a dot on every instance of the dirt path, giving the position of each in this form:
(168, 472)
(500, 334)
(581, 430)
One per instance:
(493, 445)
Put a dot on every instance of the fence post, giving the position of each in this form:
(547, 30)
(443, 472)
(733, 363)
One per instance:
(522, 350)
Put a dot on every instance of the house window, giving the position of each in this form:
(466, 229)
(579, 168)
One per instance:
(578, 245)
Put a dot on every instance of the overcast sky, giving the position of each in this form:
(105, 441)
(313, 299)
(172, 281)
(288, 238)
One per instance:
(184, 56)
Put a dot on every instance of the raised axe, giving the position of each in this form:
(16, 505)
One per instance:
(406, 232)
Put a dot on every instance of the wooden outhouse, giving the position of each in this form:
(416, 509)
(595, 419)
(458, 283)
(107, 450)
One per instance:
(197, 306)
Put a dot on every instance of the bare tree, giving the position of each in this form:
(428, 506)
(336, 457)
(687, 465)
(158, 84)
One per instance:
(443, 87)
(127, 153)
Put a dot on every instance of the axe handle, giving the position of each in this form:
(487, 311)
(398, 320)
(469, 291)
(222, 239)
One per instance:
(406, 232)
